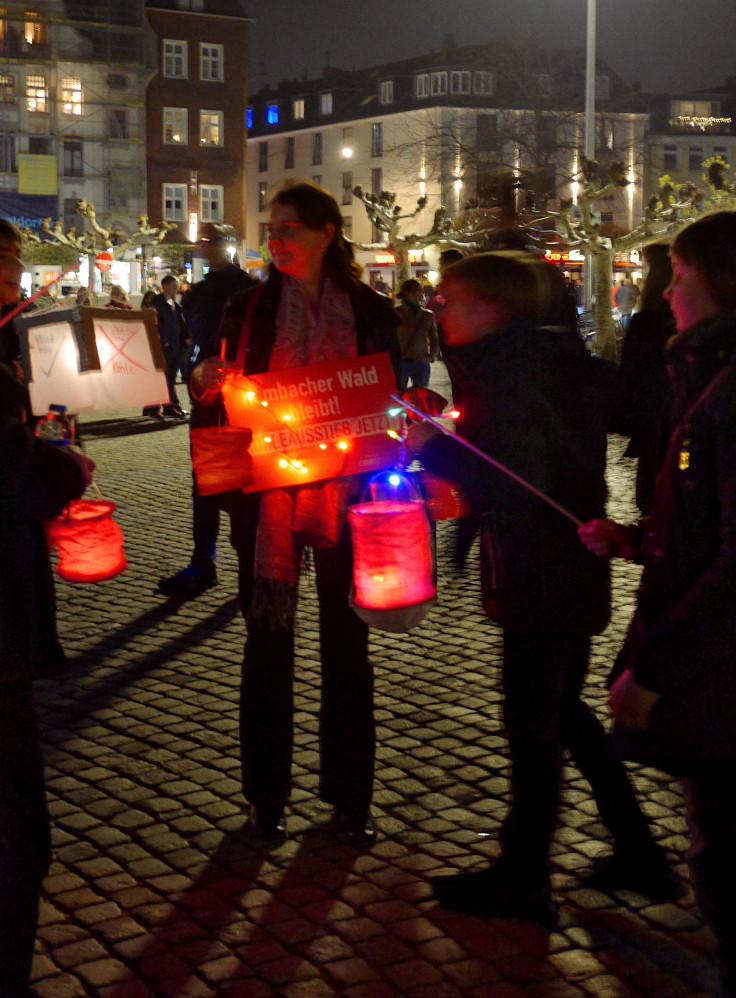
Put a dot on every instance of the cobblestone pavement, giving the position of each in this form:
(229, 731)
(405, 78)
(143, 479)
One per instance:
(155, 891)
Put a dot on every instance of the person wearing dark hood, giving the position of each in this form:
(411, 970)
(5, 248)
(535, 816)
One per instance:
(38, 480)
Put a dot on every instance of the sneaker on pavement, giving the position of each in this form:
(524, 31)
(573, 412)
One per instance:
(493, 893)
(188, 583)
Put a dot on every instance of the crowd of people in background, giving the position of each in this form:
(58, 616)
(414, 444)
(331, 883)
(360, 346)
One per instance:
(535, 399)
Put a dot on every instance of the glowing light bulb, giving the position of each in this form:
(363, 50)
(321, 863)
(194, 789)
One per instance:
(342, 445)
(323, 446)
(297, 464)
(283, 463)
(394, 480)
(250, 396)
(267, 440)
(264, 402)
(287, 416)
(395, 412)
(454, 413)
(304, 469)
(393, 434)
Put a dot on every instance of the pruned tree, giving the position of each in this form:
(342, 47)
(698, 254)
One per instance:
(386, 215)
(99, 236)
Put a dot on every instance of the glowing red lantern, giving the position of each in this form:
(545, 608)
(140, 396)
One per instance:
(88, 541)
(393, 567)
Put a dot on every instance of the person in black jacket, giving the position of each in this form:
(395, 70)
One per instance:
(674, 695)
(172, 332)
(37, 482)
(312, 308)
(533, 399)
(203, 306)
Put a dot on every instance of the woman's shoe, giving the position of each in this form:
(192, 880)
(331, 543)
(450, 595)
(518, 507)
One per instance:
(356, 827)
(266, 824)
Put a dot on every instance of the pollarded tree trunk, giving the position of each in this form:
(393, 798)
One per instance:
(605, 332)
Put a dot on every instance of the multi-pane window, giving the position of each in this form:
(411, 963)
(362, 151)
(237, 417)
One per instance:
(7, 153)
(695, 158)
(39, 145)
(289, 152)
(297, 109)
(71, 95)
(7, 88)
(249, 118)
(118, 123)
(377, 139)
(316, 148)
(421, 85)
(386, 92)
(34, 30)
(272, 114)
(37, 94)
(347, 187)
(438, 83)
(211, 202)
(669, 159)
(210, 128)
(483, 81)
(262, 157)
(325, 103)
(175, 126)
(73, 158)
(211, 62)
(175, 202)
(175, 59)
(262, 195)
(460, 81)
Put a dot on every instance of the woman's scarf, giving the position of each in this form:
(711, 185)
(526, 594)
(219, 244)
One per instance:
(309, 515)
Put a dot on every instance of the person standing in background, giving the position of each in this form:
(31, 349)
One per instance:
(418, 340)
(172, 332)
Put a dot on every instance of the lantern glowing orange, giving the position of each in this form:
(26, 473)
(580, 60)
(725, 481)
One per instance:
(393, 568)
(88, 541)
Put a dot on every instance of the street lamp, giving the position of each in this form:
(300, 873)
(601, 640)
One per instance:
(589, 128)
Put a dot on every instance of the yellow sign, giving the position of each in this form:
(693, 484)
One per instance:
(37, 174)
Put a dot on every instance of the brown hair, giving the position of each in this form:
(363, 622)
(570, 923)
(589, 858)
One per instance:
(498, 278)
(709, 245)
(316, 209)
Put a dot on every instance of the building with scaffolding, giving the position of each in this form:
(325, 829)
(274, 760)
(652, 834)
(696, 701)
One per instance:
(72, 120)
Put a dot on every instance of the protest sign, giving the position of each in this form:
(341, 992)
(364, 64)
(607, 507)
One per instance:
(317, 422)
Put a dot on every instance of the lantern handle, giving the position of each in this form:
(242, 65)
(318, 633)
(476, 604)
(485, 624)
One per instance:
(489, 460)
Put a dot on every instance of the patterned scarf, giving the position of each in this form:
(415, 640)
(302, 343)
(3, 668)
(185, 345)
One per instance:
(308, 515)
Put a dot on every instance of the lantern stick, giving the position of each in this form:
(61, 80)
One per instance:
(223, 348)
(27, 301)
(490, 460)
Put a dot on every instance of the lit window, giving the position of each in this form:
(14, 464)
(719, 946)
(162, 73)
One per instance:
(37, 94)
(175, 59)
(298, 109)
(272, 114)
(483, 82)
(460, 81)
(7, 88)
(175, 200)
(439, 83)
(211, 203)
(34, 30)
(249, 117)
(325, 103)
(211, 63)
(176, 132)
(210, 128)
(71, 96)
(386, 92)
(421, 85)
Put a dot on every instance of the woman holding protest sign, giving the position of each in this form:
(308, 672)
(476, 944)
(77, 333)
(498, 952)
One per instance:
(312, 308)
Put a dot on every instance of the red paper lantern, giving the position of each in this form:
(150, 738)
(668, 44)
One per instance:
(393, 568)
(88, 541)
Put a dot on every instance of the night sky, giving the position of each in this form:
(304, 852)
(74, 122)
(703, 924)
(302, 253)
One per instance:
(664, 45)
